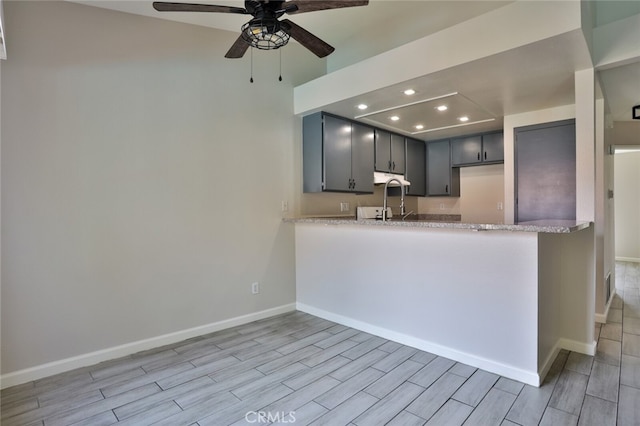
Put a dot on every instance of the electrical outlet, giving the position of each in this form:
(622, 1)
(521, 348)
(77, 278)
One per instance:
(255, 288)
(285, 206)
(344, 207)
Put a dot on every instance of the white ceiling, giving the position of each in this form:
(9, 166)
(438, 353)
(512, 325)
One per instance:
(534, 77)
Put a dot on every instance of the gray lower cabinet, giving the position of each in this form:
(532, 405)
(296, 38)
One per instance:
(338, 155)
(416, 168)
(442, 179)
(477, 149)
(390, 152)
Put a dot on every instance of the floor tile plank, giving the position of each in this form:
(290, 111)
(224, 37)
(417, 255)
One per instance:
(474, 389)
(492, 409)
(453, 413)
(569, 392)
(597, 412)
(604, 382)
(347, 411)
(628, 407)
(349, 388)
(387, 383)
(388, 407)
(430, 401)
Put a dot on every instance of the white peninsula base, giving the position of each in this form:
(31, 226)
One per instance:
(503, 301)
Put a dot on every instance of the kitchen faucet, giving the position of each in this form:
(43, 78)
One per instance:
(384, 203)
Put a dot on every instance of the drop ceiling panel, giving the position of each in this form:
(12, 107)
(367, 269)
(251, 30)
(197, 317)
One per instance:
(430, 114)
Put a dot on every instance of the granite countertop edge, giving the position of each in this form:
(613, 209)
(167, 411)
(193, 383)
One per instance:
(541, 226)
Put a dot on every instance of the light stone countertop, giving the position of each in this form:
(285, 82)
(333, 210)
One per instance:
(542, 226)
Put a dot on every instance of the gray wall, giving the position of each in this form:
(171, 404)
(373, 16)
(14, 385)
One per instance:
(142, 180)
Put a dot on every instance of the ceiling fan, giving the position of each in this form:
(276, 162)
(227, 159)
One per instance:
(265, 31)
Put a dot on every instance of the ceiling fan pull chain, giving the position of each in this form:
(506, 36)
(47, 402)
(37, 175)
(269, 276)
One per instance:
(251, 79)
(280, 76)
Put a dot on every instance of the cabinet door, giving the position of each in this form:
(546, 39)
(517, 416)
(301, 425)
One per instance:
(466, 150)
(438, 168)
(493, 147)
(362, 158)
(397, 154)
(383, 151)
(416, 167)
(337, 154)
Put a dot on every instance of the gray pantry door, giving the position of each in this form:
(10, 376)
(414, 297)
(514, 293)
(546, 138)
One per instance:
(545, 171)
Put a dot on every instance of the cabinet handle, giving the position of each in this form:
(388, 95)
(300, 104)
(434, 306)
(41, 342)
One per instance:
(485, 155)
(389, 165)
(478, 156)
(446, 189)
(393, 165)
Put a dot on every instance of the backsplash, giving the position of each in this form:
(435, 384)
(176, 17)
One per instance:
(329, 203)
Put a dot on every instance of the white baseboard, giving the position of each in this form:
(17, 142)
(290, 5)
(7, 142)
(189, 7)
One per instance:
(60, 366)
(627, 259)
(570, 345)
(575, 346)
(602, 318)
(508, 371)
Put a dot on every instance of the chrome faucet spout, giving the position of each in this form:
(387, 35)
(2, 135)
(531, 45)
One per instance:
(384, 202)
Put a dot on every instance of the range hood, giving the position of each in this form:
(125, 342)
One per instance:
(380, 178)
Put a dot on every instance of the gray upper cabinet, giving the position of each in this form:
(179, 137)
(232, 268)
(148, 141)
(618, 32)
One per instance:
(493, 147)
(442, 179)
(390, 152)
(416, 168)
(362, 154)
(338, 155)
(477, 149)
(466, 150)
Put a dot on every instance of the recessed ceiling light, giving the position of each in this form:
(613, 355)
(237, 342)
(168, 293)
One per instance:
(463, 118)
(441, 107)
(394, 118)
(409, 92)
(419, 126)
(362, 107)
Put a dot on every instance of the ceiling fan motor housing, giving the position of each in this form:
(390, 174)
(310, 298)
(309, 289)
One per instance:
(264, 33)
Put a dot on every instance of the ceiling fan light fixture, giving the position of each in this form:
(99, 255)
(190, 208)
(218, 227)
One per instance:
(264, 34)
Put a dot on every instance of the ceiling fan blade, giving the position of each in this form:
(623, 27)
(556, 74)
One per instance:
(238, 49)
(192, 7)
(308, 40)
(313, 5)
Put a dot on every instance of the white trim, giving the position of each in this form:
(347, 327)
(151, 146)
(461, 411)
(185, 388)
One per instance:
(546, 365)
(627, 259)
(463, 357)
(60, 366)
(570, 345)
(575, 346)
(602, 318)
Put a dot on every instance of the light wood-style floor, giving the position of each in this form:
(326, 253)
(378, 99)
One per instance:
(299, 369)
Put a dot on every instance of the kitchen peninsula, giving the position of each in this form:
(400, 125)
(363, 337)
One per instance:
(502, 297)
